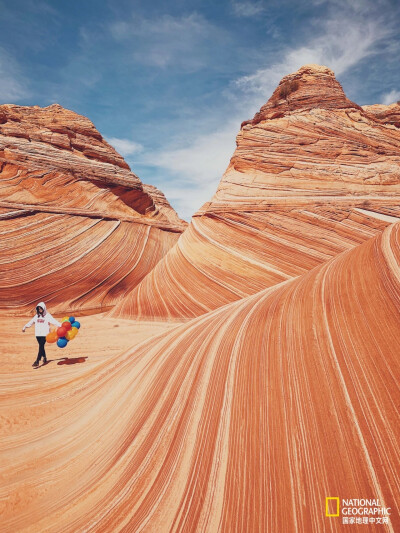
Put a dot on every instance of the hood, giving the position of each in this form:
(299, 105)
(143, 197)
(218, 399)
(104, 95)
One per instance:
(43, 306)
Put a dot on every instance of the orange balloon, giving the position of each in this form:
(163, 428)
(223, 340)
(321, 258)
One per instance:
(52, 336)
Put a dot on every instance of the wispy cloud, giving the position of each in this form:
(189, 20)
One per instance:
(181, 77)
(194, 170)
(13, 86)
(184, 41)
(247, 9)
(27, 19)
(342, 42)
(391, 97)
(196, 162)
(125, 147)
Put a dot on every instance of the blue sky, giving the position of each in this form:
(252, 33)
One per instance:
(168, 83)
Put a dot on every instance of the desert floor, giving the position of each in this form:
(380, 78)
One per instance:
(98, 339)
(34, 402)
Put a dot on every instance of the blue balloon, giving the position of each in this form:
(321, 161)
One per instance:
(76, 324)
(62, 342)
(71, 319)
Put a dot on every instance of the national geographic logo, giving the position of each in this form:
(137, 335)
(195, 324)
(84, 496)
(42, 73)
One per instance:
(332, 503)
(357, 510)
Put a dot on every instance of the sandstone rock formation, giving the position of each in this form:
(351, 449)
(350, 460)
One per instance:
(78, 228)
(385, 114)
(280, 385)
(243, 419)
(313, 175)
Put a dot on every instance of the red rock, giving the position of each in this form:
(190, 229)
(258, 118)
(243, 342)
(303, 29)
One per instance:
(68, 201)
(244, 419)
(247, 417)
(313, 175)
(385, 114)
(311, 87)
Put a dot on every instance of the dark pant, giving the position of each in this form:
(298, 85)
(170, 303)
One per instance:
(41, 352)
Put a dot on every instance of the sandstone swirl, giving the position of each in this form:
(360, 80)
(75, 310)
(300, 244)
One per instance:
(313, 175)
(68, 201)
(243, 419)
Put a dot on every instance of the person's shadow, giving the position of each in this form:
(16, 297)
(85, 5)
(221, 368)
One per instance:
(71, 360)
(64, 361)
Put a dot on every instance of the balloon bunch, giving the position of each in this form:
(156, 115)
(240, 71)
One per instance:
(68, 330)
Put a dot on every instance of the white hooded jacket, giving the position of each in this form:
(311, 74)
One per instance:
(42, 323)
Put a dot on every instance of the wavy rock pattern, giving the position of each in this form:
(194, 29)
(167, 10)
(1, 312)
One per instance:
(67, 202)
(310, 178)
(243, 419)
(279, 388)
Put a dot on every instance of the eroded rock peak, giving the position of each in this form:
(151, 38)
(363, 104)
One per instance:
(312, 86)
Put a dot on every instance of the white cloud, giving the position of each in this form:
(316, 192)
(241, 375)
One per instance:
(196, 162)
(187, 200)
(198, 166)
(390, 97)
(12, 83)
(125, 147)
(343, 43)
(247, 9)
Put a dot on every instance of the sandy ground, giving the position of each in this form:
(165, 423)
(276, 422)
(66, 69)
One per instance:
(98, 339)
(38, 405)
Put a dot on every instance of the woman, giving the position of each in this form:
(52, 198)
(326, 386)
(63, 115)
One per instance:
(42, 321)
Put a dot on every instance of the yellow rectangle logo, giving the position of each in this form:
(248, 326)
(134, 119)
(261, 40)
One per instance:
(327, 513)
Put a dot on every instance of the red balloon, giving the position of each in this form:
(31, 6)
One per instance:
(61, 331)
(67, 325)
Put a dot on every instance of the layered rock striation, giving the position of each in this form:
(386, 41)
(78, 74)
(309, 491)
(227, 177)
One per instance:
(78, 228)
(281, 389)
(243, 419)
(313, 175)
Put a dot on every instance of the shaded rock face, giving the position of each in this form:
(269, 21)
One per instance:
(313, 175)
(53, 158)
(78, 228)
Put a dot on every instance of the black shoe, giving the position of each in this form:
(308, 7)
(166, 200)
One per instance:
(45, 361)
(36, 363)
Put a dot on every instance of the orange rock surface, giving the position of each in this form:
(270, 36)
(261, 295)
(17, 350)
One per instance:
(243, 419)
(266, 376)
(67, 202)
(313, 175)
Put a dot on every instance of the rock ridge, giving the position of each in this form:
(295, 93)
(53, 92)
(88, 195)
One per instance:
(305, 185)
(45, 149)
(78, 228)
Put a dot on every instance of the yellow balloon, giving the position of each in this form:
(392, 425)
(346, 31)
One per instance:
(65, 319)
(70, 335)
